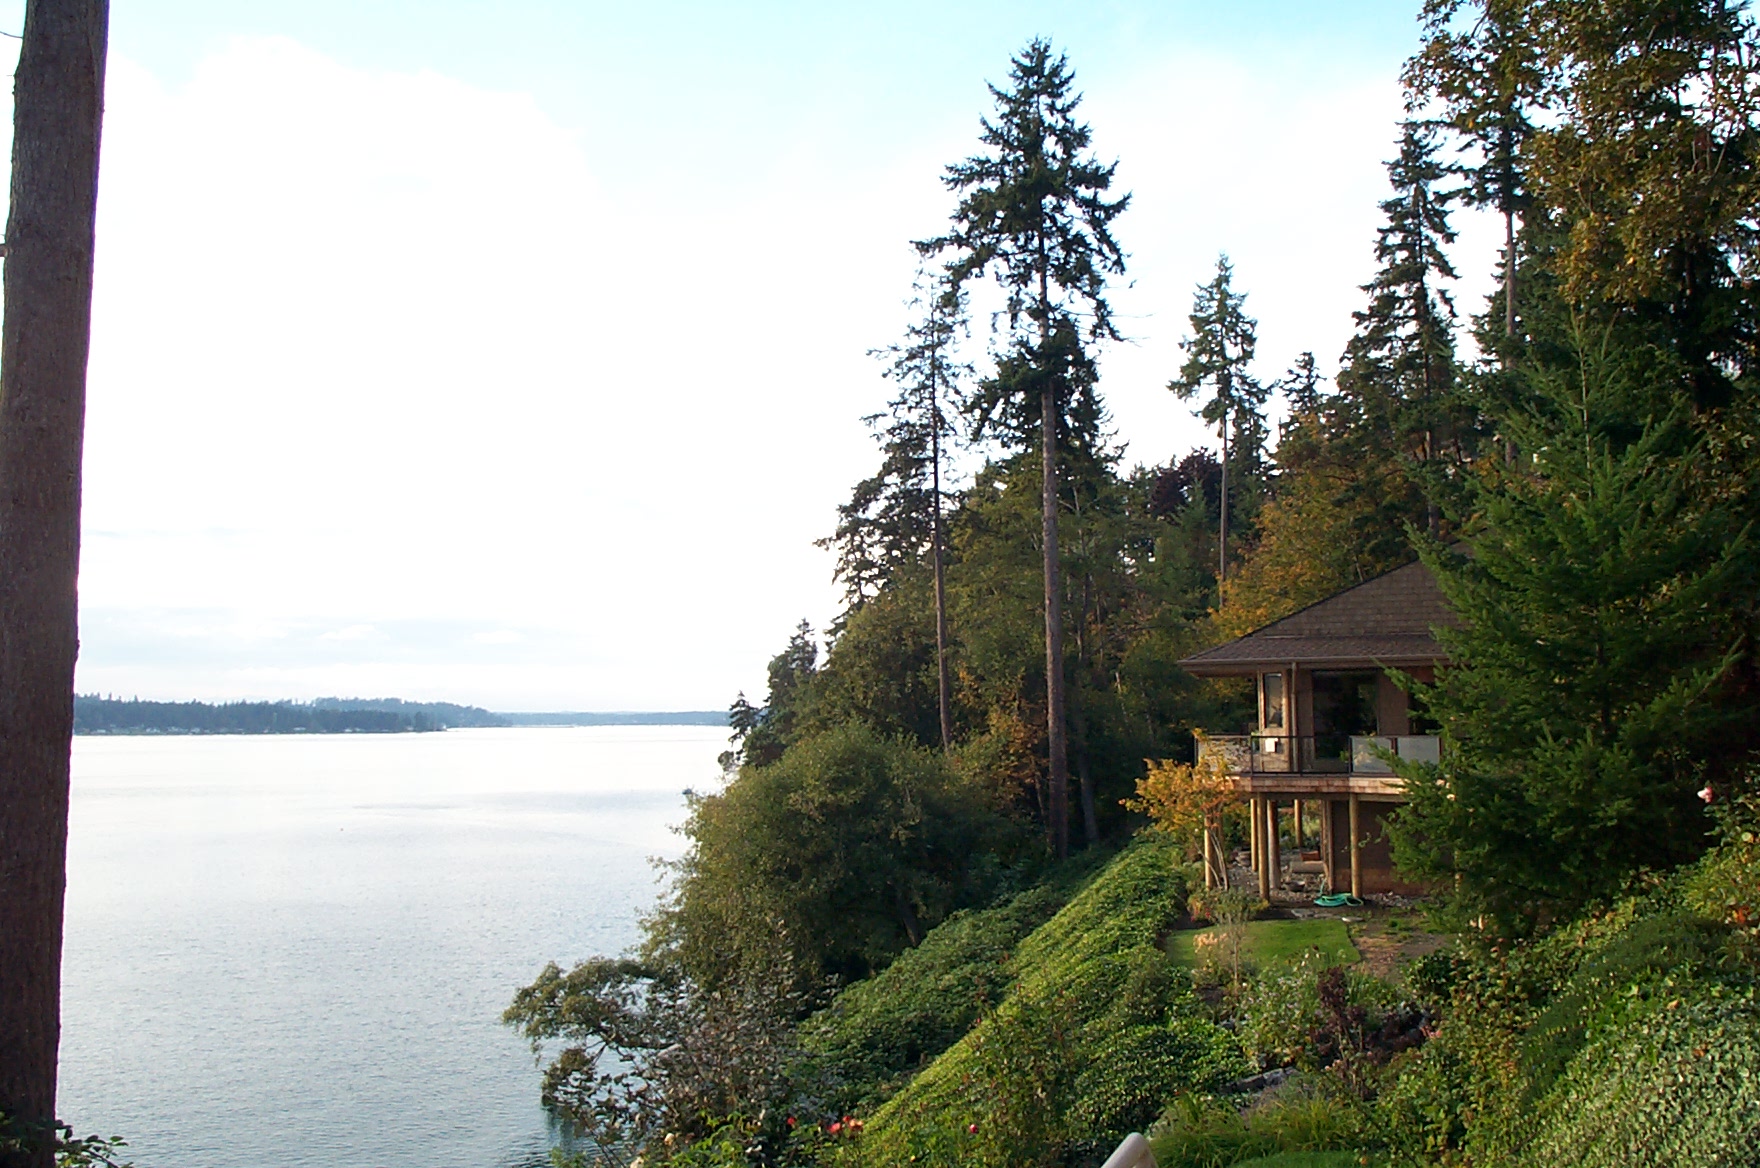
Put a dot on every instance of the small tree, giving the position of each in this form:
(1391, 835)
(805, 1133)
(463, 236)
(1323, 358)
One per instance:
(1186, 800)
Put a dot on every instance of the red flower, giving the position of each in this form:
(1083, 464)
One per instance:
(972, 1129)
(836, 1127)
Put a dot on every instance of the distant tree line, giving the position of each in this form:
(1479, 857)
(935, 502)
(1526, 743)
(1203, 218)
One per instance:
(93, 714)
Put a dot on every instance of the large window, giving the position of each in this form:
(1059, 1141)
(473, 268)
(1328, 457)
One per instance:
(1270, 701)
(1344, 705)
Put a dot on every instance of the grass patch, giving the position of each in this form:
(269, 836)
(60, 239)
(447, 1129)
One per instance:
(1305, 1160)
(1269, 942)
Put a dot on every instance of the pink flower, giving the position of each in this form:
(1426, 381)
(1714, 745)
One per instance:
(1707, 793)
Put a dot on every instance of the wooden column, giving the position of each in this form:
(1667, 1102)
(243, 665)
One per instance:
(1264, 869)
(1209, 856)
(1300, 842)
(1273, 853)
(1253, 833)
(1326, 863)
(1356, 846)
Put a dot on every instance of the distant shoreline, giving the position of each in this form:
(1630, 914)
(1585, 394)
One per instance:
(105, 716)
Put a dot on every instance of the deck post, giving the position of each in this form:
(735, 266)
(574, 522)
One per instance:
(1264, 851)
(1275, 851)
(1300, 842)
(1209, 862)
(1253, 832)
(1356, 845)
(1326, 860)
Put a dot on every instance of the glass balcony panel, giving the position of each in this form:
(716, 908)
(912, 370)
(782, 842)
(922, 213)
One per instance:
(1421, 748)
(1365, 760)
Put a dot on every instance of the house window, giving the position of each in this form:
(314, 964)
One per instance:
(1271, 701)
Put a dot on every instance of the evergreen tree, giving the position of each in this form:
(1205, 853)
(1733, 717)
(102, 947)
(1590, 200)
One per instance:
(1606, 614)
(1485, 76)
(1217, 356)
(1034, 213)
(761, 734)
(896, 517)
(1399, 369)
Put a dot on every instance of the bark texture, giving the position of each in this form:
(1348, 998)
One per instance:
(1056, 737)
(44, 339)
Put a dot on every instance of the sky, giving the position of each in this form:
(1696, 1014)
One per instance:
(516, 353)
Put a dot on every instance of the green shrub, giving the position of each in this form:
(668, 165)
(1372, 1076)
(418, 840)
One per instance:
(1304, 1117)
(1281, 1021)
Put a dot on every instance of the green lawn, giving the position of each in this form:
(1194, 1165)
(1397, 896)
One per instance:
(1272, 941)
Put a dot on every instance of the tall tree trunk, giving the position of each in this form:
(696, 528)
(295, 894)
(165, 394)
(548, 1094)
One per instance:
(1055, 737)
(935, 538)
(1078, 719)
(1222, 528)
(1509, 299)
(44, 339)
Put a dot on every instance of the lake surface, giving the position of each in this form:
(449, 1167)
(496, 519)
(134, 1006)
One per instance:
(295, 950)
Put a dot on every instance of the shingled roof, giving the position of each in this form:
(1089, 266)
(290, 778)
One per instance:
(1385, 621)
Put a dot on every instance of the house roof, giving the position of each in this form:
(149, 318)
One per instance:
(1386, 621)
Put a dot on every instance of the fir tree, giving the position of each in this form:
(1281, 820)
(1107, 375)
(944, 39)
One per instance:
(1217, 356)
(1605, 611)
(1485, 76)
(1399, 369)
(1034, 212)
(896, 517)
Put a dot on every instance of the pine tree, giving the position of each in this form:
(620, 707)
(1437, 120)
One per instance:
(1485, 75)
(1399, 369)
(896, 517)
(1034, 214)
(1217, 356)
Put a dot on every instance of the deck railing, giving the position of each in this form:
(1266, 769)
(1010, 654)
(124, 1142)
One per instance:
(1322, 754)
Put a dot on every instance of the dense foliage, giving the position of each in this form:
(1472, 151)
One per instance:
(880, 879)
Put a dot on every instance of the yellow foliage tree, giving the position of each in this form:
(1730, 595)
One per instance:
(1187, 799)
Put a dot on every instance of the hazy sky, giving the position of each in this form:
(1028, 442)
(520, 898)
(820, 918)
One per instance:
(515, 353)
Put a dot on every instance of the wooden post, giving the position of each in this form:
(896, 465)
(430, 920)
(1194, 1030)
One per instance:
(1300, 842)
(1209, 859)
(1253, 832)
(1264, 852)
(1274, 854)
(1356, 851)
(1326, 846)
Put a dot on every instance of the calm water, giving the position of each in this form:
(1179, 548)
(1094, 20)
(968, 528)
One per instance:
(295, 950)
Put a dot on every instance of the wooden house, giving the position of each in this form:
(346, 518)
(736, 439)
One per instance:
(1329, 715)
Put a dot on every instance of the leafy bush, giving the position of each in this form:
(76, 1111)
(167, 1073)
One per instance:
(848, 847)
(1627, 1036)
(1281, 1018)
(1305, 1117)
